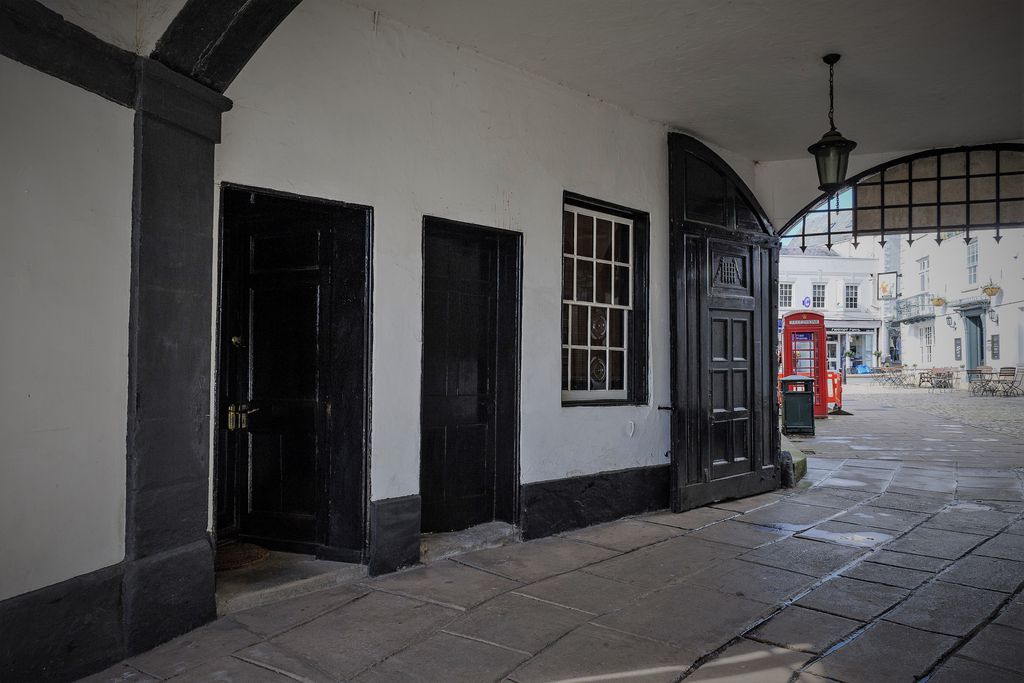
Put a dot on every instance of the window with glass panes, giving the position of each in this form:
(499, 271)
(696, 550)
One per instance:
(972, 262)
(785, 295)
(818, 296)
(923, 264)
(597, 291)
(851, 298)
(927, 340)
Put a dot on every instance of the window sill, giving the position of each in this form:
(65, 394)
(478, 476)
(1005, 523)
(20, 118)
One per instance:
(603, 403)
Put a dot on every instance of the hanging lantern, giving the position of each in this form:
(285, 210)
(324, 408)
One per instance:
(832, 151)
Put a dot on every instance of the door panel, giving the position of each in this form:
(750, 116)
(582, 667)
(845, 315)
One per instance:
(294, 315)
(722, 256)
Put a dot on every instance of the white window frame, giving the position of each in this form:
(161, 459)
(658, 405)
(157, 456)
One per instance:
(927, 343)
(787, 301)
(923, 268)
(972, 262)
(597, 395)
(817, 302)
(847, 298)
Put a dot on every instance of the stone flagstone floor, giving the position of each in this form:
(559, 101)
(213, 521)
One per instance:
(900, 557)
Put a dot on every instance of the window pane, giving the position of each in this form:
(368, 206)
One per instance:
(566, 312)
(568, 229)
(580, 325)
(598, 370)
(616, 366)
(568, 276)
(616, 329)
(578, 378)
(622, 243)
(604, 239)
(621, 286)
(599, 326)
(565, 369)
(584, 280)
(604, 283)
(584, 235)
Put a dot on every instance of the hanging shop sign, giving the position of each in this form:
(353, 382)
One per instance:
(886, 285)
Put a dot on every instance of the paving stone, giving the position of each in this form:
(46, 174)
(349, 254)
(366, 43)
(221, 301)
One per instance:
(283, 661)
(529, 562)
(992, 573)
(838, 499)
(939, 496)
(691, 519)
(445, 657)
(752, 581)
(804, 629)
(232, 669)
(446, 582)
(948, 545)
(805, 556)
(518, 622)
(1003, 494)
(743, 535)
(281, 616)
(946, 608)
(885, 652)
(1013, 614)
(678, 615)
(843, 533)
(202, 645)
(971, 518)
(908, 561)
(584, 591)
(907, 502)
(355, 636)
(746, 660)
(1006, 546)
(960, 670)
(888, 575)
(882, 518)
(747, 504)
(787, 516)
(997, 645)
(601, 653)
(853, 599)
(119, 673)
(625, 535)
(664, 563)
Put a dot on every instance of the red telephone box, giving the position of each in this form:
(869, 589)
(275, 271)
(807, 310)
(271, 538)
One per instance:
(803, 353)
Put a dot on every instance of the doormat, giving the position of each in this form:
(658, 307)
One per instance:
(239, 555)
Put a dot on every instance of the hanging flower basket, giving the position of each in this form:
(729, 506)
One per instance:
(938, 301)
(991, 289)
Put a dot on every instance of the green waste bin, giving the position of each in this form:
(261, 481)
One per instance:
(797, 404)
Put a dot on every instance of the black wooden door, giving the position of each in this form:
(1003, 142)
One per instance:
(974, 332)
(294, 316)
(723, 265)
(469, 351)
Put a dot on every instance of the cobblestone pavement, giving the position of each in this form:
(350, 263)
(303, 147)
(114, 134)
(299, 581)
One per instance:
(995, 413)
(900, 556)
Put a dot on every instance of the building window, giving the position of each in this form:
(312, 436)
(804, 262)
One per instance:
(923, 264)
(927, 339)
(972, 262)
(851, 296)
(818, 296)
(785, 295)
(604, 298)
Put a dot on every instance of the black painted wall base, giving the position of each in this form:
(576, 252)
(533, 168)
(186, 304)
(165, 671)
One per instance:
(549, 507)
(394, 534)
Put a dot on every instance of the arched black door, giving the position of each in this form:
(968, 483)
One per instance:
(724, 269)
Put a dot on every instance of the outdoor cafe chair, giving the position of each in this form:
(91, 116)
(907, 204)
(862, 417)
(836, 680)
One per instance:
(1007, 382)
(979, 381)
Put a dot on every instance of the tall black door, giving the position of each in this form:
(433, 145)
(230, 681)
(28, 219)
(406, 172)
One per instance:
(974, 331)
(292, 399)
(723, 262)
(469, 401)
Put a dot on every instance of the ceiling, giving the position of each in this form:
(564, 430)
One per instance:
(747, 74)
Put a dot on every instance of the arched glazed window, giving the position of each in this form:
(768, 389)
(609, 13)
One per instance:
(940, 192)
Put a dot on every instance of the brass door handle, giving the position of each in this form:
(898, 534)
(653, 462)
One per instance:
(238, 416)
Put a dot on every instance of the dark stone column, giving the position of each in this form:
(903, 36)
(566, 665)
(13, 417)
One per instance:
(168, 587)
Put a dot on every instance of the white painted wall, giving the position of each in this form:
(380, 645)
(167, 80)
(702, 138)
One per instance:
(338, 105)
(133, 25)
(65, 266)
